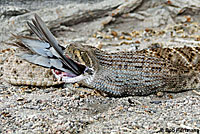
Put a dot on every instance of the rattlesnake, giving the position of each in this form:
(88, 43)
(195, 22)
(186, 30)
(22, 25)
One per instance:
(45, 63)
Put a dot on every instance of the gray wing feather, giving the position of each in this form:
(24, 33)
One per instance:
(36, 59)
(36, 30)
(53, 42)
(37, 46)
(46, 51)
(44, 61)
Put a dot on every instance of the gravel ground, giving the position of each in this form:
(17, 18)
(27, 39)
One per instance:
(72, 109)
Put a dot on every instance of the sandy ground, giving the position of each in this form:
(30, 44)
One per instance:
(70, 109)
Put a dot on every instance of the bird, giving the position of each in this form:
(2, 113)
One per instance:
(118, 74)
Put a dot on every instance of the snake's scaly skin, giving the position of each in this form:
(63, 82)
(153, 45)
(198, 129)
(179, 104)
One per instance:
(124, 73)
(119, 74)
(20, 72)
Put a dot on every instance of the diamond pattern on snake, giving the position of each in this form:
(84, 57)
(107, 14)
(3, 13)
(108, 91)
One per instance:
(44, 62)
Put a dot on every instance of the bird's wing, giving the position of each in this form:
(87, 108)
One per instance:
(46, 51)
